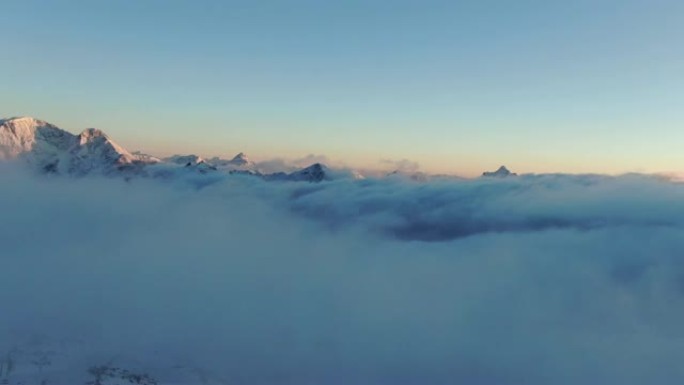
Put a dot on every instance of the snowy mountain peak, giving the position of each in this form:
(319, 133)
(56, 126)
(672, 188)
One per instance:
(25, 121)
(501, 172)
(51, 149)
(145, 158)
(95, 144)
(185, 160)
(240, 159)
(22, 127)
(22, 135)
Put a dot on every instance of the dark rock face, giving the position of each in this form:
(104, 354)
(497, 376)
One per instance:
(502, 172)
(313, 173)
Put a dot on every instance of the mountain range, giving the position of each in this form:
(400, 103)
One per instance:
(47, 148)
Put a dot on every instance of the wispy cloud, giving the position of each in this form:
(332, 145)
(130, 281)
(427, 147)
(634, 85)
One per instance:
(403, 165)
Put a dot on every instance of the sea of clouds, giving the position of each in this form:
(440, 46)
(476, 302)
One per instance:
(552, 279)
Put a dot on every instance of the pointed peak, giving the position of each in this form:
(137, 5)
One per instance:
(500, 172)
(315, 166)
(314, 173)
(240, 159)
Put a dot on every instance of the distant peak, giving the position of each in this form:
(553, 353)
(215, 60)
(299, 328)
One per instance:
(240, 159)
(500, 172)
(314, 173)
(315, 166)
(185, 160)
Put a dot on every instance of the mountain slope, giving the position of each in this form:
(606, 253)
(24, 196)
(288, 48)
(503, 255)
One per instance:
(240, 160)
(315, 173)
(21, 135)
(97, 152)
(51, 149)
(185, 160)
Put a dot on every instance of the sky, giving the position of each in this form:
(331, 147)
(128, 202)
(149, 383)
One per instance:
(456, 86)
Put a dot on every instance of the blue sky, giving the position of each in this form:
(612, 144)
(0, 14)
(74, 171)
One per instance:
(458, 86)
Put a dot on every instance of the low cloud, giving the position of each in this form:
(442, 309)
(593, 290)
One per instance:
(529, 280)
(450, 209)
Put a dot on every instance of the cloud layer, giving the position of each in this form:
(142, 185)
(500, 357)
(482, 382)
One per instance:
(531, 280)
(451, 209)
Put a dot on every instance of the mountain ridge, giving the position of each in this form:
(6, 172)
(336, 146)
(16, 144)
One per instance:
(50, 149)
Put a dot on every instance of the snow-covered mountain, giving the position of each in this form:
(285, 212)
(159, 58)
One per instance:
(41, 144)
(48, 148)
(97, 152)
(185, 160)
(22, 135)
(239, 161)
(147, 158)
